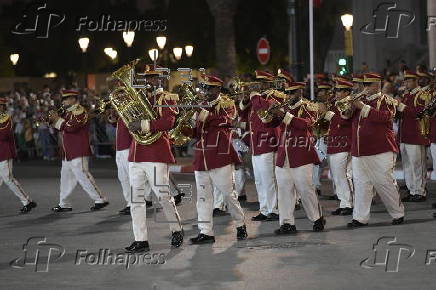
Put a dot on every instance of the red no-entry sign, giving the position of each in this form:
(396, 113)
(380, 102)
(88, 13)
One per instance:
(263, 51)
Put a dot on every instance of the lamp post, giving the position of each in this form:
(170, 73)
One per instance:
(178, 51)
(84, 43)
(128, 37)
(14, 59)
(347, 22)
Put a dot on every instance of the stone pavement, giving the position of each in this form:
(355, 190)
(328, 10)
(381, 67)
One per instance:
(334, 259)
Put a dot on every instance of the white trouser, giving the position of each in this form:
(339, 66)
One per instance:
(146, 176)
(375, 172)
(74, 171)
(121, 158)
(218, 197)
(222, 178)
(340, 169)
(321, 149)
(297, 179)
(8, 178)
(239, 180)
(433, 157)
(265, 180)
(414, 160)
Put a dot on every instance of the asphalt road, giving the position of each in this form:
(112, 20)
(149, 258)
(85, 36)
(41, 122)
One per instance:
(84, 250)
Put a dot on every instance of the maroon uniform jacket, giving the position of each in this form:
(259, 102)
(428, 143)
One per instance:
(338, 138)
(263, 139)
(214, 147)
(74, 128)
(409, 133)
(7, 143)
(123, 139)
(372, 131)
(296, 138)
(160, 150)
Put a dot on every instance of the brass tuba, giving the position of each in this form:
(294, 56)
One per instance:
(131, 104)
(189, 100)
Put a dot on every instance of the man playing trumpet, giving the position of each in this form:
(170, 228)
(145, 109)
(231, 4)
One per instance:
(296, 158)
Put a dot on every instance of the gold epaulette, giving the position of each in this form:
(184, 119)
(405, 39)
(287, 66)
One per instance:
(389, 100)
(425, 95)
(311, 106)
(79, 110)
(224, 102)
(4, 117)
(167, 96)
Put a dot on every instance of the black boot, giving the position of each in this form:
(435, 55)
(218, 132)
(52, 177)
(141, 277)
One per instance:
(241, 233)
(286, 229)
(272, 217)
(148, 204)
(125, 211)
(347, 211)
(99, 206)
(219, 212)
(356, 224)
(259, 217)
(177, 239)
(202, 239)
(398, 221)
(138, 247)
(61, 209)
(337, 211)
(318, 225)
(28, 207)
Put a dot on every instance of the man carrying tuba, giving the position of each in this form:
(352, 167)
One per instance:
(149, 165)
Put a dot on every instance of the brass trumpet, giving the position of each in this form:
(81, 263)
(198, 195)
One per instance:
(344, 104)
(267, 114)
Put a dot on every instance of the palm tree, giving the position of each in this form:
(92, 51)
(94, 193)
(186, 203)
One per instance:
(225, 51)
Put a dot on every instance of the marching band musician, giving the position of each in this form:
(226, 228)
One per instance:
(7, 154)
(123, 140)
(338, 149)
(214, 161)
(149, 166)
(296, 157)
(263, 144)
(322, 96)
(74, 128)
(373, 151)
(412, 142)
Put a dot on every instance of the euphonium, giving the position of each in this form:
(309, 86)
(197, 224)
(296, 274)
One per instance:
(423, 118)
(132, 105)
(189, 99)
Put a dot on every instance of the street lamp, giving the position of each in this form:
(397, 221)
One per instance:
(128, 37)
(188, 50)
(83, 43)
(161, 41)
(112, 53)
(153, 54)
(347, 22)
(14, 58)
(178, 52)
